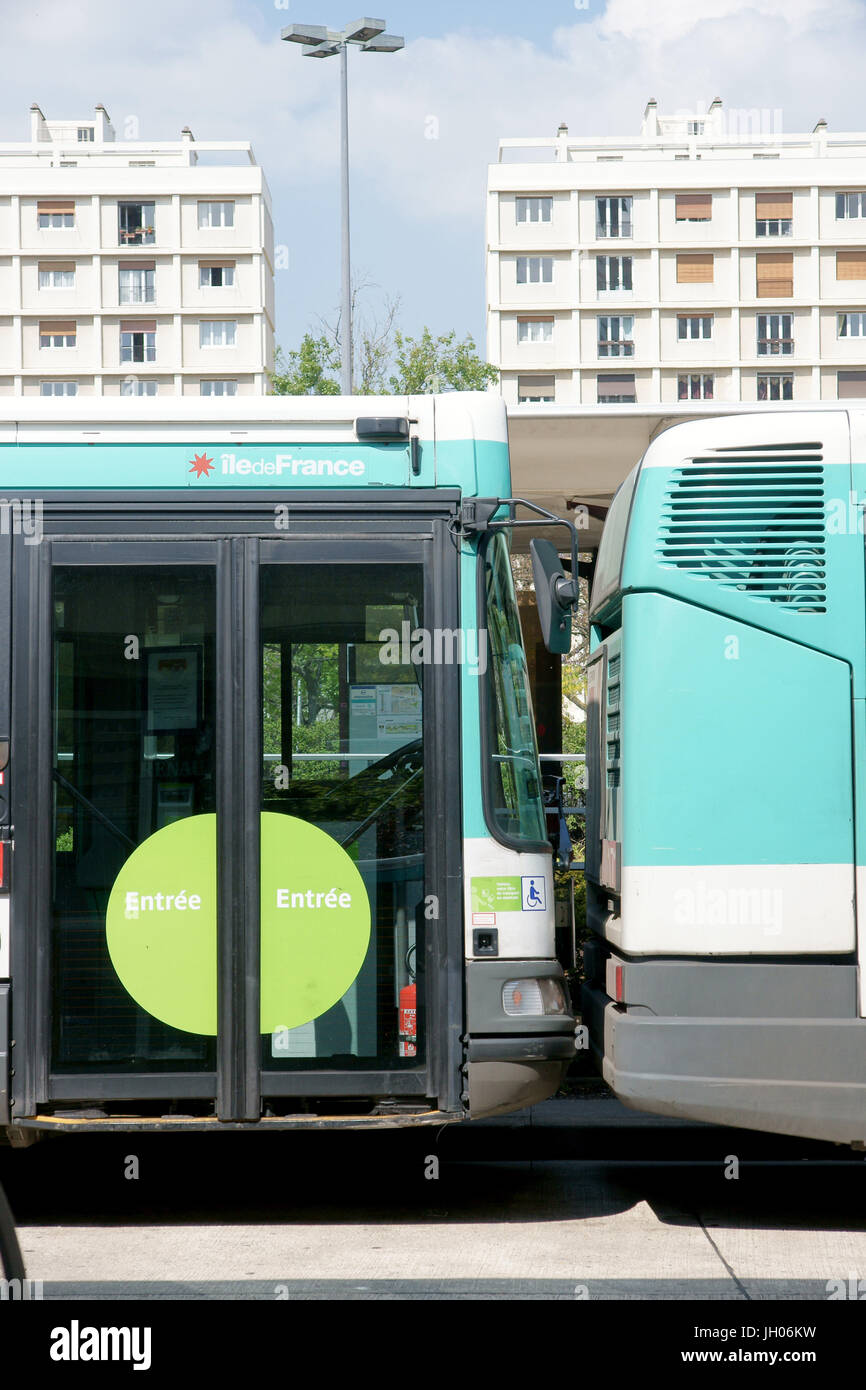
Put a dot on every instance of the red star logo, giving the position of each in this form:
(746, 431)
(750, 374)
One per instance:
(201, 466)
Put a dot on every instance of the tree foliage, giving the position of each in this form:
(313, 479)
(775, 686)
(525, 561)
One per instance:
(385, 360)
(438, 364)
(307, 370)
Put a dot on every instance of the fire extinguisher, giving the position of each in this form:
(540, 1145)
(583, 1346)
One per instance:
(407, 1016)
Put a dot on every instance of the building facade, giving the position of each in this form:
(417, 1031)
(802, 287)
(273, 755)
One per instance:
(132, 268)
(706, 259)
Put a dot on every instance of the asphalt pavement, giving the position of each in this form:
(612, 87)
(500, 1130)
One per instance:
(578, 1198)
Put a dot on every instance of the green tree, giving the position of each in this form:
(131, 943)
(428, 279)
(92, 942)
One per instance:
(429, 364)
(305, 370)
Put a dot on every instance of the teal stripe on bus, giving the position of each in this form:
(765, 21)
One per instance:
(476, 467)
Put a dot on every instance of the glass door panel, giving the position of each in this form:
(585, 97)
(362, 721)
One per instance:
(133, 721)
(343, 765)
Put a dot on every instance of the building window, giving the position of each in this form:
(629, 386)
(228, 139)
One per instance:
(694, 207)
(616, 390)
(695, 128)
(216, 214)
(138, 342)
(85, 133)
(135, 224)
(57, 276)
(776, 388)
(217, 387)
(534, 209)
(57, 335)
(850, 385)
(137, 284)
(131, 386)
(217, 333)
(697, 386)
(616, 335)
(142, 164)
(535, 389)
(850, 205)
(774, 275)
(773, 226)
(535, 330)
(851, 326)
(214, 275)
(55, 213)
(695, 268)
(58, 388)
(694, 326)
(851, 265)
(613, 217)
(535, 270)
(613, 273)
(774, 213)
(775, 335)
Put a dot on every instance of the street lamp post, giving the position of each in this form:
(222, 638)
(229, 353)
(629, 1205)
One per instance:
(321, 42)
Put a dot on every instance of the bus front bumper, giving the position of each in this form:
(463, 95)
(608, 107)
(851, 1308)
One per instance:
(513, 1061)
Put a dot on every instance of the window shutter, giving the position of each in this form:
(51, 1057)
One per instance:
(45, 205)
(775, 275)
(57, 326)
(124, 264)
(695, 269)
(138, 325)
(615, 385)
(536, 385)
(851, 385)
(851, 265)
(217, 265)
(772, 205)
(56, 265)
(697, 206)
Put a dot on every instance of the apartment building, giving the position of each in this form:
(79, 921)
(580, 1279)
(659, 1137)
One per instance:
(131, 267)
(712, 257)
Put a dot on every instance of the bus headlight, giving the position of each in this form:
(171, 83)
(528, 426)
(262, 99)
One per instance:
(535, 996)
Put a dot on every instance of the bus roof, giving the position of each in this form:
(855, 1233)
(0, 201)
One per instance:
(455, 415)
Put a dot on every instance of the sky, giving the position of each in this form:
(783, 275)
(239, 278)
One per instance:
(425, 122)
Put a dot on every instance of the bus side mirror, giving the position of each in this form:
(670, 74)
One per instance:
(554, 596)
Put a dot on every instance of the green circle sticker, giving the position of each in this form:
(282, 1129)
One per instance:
(161, 923)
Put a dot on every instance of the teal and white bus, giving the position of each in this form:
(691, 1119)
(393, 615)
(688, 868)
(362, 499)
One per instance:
(726, 752)
(274, 851)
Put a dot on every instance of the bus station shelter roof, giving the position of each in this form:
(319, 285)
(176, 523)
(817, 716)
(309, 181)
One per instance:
(564, 457)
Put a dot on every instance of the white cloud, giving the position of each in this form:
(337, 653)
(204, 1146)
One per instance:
(661, 21)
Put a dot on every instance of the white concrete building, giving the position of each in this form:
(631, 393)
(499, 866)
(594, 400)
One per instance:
(131, 267)
(705, 259)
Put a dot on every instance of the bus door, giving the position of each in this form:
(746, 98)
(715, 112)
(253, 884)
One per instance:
(234, 868)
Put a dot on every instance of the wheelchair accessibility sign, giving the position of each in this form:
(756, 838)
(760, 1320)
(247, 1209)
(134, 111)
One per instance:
(534, 897)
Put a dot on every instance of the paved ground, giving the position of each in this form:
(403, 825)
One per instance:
(577, 1199)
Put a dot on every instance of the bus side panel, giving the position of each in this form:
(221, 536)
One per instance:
(738, 787)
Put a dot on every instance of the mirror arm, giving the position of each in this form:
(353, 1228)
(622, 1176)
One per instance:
(477, 515)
